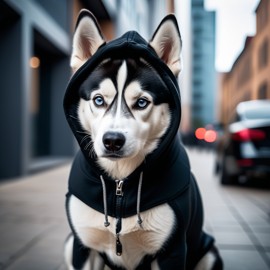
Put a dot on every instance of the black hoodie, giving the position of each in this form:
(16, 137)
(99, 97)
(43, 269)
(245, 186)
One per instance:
(166, 172)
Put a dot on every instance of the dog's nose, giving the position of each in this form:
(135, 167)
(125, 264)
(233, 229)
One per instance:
(113, 141)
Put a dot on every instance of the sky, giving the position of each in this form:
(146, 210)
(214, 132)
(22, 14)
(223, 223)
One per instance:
(235, 20)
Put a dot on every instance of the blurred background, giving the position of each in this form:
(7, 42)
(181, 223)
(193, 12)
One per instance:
(225, 90)
(225, 54)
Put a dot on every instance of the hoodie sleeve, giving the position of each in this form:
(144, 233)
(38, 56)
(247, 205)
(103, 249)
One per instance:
(173, 254)
(198, 242)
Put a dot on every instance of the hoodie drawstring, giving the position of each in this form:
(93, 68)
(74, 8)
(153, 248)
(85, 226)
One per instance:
(106, 222)
(139, 220)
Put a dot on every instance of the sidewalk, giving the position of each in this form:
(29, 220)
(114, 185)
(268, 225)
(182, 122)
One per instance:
(237, 216)
(33, 224)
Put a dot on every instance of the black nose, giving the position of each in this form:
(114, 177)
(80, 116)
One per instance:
(113, 141)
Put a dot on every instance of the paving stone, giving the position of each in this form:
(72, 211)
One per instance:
(243, 260)
(45, 253)
(264, 239)
(232, 238)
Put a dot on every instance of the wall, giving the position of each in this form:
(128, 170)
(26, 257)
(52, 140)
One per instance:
(249, 77)
(26, 27)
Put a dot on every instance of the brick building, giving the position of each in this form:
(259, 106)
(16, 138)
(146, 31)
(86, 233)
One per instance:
(249, 77)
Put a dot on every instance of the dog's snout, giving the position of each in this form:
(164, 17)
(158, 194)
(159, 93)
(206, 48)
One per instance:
(113, 141)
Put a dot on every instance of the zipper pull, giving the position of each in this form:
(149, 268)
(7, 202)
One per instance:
(119, 187)
(118, 246)
(119, 193)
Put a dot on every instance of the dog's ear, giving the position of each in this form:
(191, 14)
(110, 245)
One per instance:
(167, 43)
(86, 40)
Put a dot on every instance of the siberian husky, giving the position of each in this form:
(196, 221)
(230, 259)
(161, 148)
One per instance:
(132, 201)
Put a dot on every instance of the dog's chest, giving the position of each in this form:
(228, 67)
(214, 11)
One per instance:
(136, 241)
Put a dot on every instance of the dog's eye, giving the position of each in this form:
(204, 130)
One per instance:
(99, 101)
(141, 103)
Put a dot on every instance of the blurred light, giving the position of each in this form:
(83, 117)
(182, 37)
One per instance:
(34, 62)
(210, 136)
(199, 133)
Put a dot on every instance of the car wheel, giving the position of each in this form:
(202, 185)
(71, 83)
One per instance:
(217, 168)
(226, 178)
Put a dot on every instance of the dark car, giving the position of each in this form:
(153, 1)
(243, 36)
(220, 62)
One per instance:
(244, 150)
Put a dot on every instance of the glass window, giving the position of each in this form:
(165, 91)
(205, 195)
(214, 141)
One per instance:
(263, 54)
(263, 91)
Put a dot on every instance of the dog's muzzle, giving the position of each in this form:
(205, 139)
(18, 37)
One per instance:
(113, 141)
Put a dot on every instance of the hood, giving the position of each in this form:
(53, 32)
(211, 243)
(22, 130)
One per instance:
(130, 45)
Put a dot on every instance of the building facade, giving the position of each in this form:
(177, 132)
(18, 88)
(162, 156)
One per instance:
(249, 77)
(183, 13)
(35, 51)
(33, 126)
(203, 65)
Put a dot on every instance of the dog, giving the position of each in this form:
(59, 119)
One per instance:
(132, 202)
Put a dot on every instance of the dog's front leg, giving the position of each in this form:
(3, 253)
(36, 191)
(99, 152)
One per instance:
(154, 265)
(90, 261)
(96, 262)
(210, 261)
(68, 252)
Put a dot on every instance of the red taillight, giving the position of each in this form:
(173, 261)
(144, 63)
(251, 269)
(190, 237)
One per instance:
(245, 162)
(249, 135)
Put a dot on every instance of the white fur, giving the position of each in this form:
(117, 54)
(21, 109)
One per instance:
(86, 41)
(121, 79)
(137, 242)
(207, 262)
(68, 252)
(167, 46)
(142, 133)
(154, 265)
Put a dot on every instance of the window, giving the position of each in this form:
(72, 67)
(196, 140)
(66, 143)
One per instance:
(262, 94)
(196, 108)
(197, 68)
(263, 54)
(262, 15)
(245, 71)
(197, 55)
(197, 30)
(197, 82)
(197, 3)
(197, 16)
(197, 95)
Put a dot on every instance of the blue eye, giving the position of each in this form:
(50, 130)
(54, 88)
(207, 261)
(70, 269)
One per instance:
(141, 103)
(99, 101)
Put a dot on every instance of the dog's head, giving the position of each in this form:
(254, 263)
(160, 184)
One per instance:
(123, 105)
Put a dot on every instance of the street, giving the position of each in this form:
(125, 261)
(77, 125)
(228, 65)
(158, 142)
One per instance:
(33, 225)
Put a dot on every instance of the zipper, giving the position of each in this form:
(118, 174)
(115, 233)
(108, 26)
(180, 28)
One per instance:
(119, 187)
(118, 213)
(118, 248)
